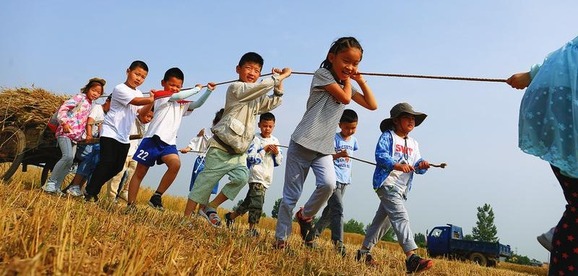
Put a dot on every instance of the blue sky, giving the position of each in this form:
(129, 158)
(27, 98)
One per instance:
(472, 126)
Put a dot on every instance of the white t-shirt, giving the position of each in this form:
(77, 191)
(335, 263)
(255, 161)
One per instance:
(404, 151)
(134, 130)
(167, 119)
(97, 114)
(261, 163)
(200, 144)
(120, 118)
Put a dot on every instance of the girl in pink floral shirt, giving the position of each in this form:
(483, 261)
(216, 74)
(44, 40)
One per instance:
(72, 115)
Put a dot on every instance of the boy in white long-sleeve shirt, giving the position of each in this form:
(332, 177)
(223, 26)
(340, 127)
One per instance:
(263, 155)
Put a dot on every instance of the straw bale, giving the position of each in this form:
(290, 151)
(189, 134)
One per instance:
(28, 108)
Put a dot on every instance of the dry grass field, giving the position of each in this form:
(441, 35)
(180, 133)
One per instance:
(45, 234)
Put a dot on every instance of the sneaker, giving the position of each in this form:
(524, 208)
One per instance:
(546, 239)
(310, 236)
(305, 224)
(340, 248)
(90, 198)
(252, 232)
(73, 168)
(210, 214)
(229, 221)
(74, 190)
(280, 244)
(365, 256)
(416, 263)
(156, 202)
(310, 244)
(50, 187)
(130, 209)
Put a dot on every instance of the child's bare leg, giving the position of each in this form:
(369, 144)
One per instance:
(218, 200)
(190, 208)
(173, 166)
(139, 173)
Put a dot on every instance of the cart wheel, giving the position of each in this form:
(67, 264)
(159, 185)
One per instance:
(12, 144)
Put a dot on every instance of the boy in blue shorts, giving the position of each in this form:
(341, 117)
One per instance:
(159, 143)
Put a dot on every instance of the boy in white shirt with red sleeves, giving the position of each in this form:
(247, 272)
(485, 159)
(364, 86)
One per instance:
(159, 143)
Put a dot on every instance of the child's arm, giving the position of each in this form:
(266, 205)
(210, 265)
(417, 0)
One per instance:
(89, 125)
(522, 80)
(245, 92)
(181, 95)
(383, 152)
(421, 165)
(143, 111)
(277, 157)
(283, 74)
(67, 106)
(519, 80)
(144, 100)
(198, 103)
(367, 99)
(342, 95)
(342, 153)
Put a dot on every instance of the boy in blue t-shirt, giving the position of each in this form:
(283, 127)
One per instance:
(345, 145)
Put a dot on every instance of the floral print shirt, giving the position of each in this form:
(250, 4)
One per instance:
(74, 112)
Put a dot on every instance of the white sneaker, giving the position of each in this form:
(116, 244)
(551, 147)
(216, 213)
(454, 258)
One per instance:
(74, 190)
(50, 187)
(546, 239)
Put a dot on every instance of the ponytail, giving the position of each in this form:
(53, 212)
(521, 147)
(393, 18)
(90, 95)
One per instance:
(338, 46)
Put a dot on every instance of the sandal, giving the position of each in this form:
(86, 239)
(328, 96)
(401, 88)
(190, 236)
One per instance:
(211, 215)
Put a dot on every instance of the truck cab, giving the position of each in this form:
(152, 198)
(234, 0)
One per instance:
(438, 240)
(448, 241)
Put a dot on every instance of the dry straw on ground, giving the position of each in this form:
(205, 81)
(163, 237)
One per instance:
(44, 234)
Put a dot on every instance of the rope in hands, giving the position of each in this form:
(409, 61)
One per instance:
(385, 75)
(441, 165)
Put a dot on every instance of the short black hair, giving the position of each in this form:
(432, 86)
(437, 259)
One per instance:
(138, 63)
(251, 57)
(174, 73)
(218, 116)
(267, 116)
(349, 116)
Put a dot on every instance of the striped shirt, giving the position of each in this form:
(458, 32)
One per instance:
(316, 130)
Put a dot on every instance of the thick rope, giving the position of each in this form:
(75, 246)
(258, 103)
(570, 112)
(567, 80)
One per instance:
(419, 76)
(386, 75)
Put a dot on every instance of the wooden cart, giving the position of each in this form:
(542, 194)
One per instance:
(20, 147)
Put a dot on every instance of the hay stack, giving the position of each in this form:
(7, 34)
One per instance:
(28, 108)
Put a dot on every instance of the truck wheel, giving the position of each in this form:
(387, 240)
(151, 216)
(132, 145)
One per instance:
(492, 263)
(479, 258)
